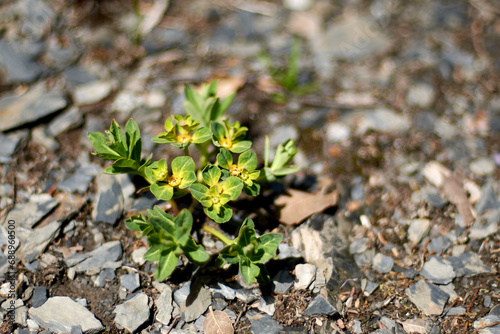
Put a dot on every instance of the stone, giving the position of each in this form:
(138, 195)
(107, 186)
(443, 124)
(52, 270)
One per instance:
(421, 95)
(34, 242)
(418, 229)
(263, 323)
(29, 213)
(66, 121)
(383, 263)
(458, 310)
(247, 296)
(358, 246)
(36, 103)
(488, 200)
(337, 132)
(37, 16)
(485, 225)
(427, 297)
(282, 133)
(305, 275)
(78, 182)
(450, 290)
(54, 316)
(109, 202)
(483, 166)
(98, 259)
(438, 271)
(266, 305)
(380, 119)
(164, 305)
(228, 292)
(39, 296)
(489, 324)
(368, 286)
(131, 281)
(287, 252)
(468, 264)
(320, 306)
(75, 76)
(133, 313)
(18, 65)
(196, 304)
(11, 143)
(439, 244)
(106, 275)
(161, 39)
(92, 92)
(181, 294)
(283, 282)
(298, 4)
(138, 255)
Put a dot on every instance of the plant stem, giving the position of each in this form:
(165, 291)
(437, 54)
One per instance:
(186, 151)
(174, 206)
(217, 234)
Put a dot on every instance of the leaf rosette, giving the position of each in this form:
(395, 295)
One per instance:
(214, 198)
(165, 185)
(244, 169)
(251, 252)
(230, 136)
(183, 132)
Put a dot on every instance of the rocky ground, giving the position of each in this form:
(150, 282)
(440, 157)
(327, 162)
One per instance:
(396, 110)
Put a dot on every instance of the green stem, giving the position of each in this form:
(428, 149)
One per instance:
(217, 234)
(174, 206)
(186, 151)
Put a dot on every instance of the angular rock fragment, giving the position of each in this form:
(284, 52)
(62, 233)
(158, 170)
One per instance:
(164, 305)
(34, 242)
(427, 297)
(320, 306)
(29, 213)
(438, 271)
(10, 143)
(54, 316)
(133, 313)
(196, 304)
(305, 275)
(263, 323)
(383, 263)
(468, 264)
(93, 262)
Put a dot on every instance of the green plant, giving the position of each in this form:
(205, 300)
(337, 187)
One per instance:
(214, 181)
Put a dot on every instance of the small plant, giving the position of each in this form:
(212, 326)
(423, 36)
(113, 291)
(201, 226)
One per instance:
(226, 167)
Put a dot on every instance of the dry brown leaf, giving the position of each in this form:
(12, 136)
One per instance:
(228, 86)
(217, 322)
(414, 326)
(295, 205)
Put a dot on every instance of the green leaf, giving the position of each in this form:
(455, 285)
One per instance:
(241, 146)
(134, 141)
(247, 233)
(218, 132)
(230, 254)
(103, 150)
(222, 106)
(163, 224)
(248, 160)
(252, 190)
(201, 135)
(268, 244)
(286, 170)
(232, 187)
(223, 215)
(153, 253)
(162, 191)
(184, 167)
(137, 223)
(200, 192)
(166, 264)
(211, 175)
(225, 158)
(195, 253)
(248, 270)
(284, 153)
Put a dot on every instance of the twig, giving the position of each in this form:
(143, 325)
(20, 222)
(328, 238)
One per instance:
(239, 316)
(172, 325)
(473, 299)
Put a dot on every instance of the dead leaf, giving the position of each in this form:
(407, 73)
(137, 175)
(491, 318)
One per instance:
(295, 205)
(414, 326)
(451, 185)
(217, 322)
(228, 86)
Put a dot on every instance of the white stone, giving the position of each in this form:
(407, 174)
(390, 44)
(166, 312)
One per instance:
(305, 275)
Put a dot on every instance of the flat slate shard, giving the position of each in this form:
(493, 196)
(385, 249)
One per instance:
(16, 111)
(109, 202)
(320, 306)
(133, 313)
(102, 257)
(17, 65)
(438, 271)
(192, 309)
(427, 297)
(34, 242)
(263, 323)
(54, 315)
(10, 143)
(468, 264)
(29, 213)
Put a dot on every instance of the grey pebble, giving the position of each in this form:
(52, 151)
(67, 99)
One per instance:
(383, 263)
(39, 296)
(196, 307)
(305, 275)
(164, 305)
(54, 316)
(468, 264)
(320, 306)
(439, 244)
(488, 200)
(34, 242)
(438, 270)
(10, 143)
(98, 259)
(368, 286)
(17, 64)
(131, 281)
(67, 120)
(485, 325)
(133, 313)
(427, 297)
(263, 323)
(107, 274)
(29, 213)
(283, 282)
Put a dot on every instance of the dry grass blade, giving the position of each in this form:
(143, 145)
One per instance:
(217, 322)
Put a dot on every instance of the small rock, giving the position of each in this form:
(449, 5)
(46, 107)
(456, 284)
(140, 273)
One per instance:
(34, 242)
(368, 286)
(383, 263)
(488, 200)
(17, 65)
(439, 244)
(468, 264)
(484, 227)
(298, 4)
(107, 274)
(98, 259)
(181, 295)
(438, 271)
(39, 296)
(226, 291)
(421, 95)
(356, 327)
(358, 246)
(29, 213)
(388, 322)
(320, 306)
(418, 228)
(266, 305)
(138, 255)
(133, 313)
(450, 290)
(92, 92)
(54, 316)
(131, 281)
(66, 121)
(164, 305)
(489, 324)
(483, 166)
(458, 310)
(410, 273)
(337, 132)
(247, 296)
(37, 103)
(380, 119)
(77, 182)
(427, 297)
(263, 323)
(283, 282)
(10, 144)
(109, 202)
(282, 133)
(287, 252)
(196, 307)
(305, 275)
(487, 301)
